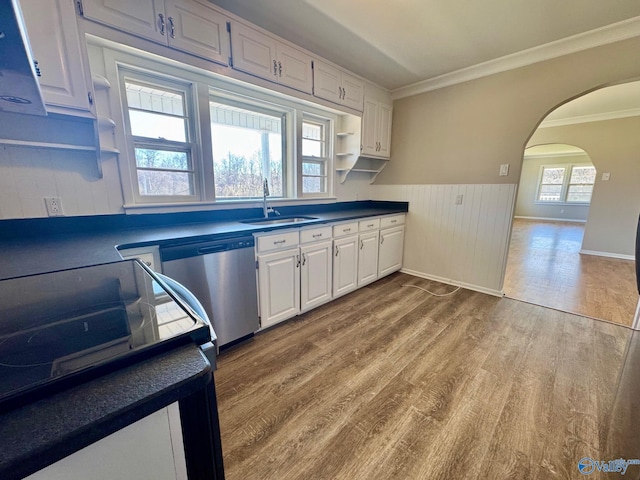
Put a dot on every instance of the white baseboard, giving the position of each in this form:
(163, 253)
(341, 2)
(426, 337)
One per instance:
(607, 254)
(448, 281)
(547, 219)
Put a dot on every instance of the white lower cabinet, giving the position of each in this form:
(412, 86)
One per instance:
(390, 250)
(315, 275)
(279, 286)
(345, 265)
(301, 269)
(368, 257)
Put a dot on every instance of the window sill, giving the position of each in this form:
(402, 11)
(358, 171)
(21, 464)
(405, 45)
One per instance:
(564, 204)
(220, 205)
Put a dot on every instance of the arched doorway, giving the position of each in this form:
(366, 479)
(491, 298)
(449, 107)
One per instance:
(604, 124)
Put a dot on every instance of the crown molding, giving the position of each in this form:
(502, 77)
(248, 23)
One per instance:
(594, 38)
(596, 117)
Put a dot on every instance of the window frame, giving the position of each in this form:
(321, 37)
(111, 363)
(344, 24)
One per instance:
(566, 182)
(259, 107)
(328, 127)
(110, 60)
(190, 146)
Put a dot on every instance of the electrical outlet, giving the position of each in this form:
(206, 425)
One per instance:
(54, 206)
(459, 199)
(504, 169)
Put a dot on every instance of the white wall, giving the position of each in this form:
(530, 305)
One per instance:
(463, 244)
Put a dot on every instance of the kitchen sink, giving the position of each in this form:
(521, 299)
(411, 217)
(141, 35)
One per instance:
(278, 220)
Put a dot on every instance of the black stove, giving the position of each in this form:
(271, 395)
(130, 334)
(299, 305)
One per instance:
(59, 328)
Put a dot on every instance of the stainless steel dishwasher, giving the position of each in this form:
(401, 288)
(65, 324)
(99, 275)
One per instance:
(222, 275)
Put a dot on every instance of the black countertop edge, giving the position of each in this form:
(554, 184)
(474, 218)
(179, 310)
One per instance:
(38, 227)
(43, 432)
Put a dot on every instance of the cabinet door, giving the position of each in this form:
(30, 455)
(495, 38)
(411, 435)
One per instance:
(315, 275)
(391, 248)
(353, 92)
(279, 286)
(368, 258)
(144, 18)
(294, 68)
(54, 38)
(327, 82)
(384, 129)
(196, 28)
(369, 127)
(253, 52)
(345, 265)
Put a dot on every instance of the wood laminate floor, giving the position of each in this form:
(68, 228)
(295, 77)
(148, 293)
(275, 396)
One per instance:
(389, 382)
(545, 267)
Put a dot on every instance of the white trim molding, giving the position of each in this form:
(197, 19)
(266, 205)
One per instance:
(636, 321)
(549, 219)
(596, 117)
(607, 254)
(448, 281)
(594, 38)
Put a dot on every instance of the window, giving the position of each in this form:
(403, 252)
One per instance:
(159, 126)
(173, 150)
(566, 184)
(315, 155)
(247, 148)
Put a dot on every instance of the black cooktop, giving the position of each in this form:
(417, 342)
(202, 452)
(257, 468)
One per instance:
(57, 328)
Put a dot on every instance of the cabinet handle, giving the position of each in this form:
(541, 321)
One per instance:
(304, 259)
(361, 244)
(394, 221)
(172, 31)
(279, 242)
(381, 239)
(344, 93)
(317, 235)
(341, 93)
(337, 250)
(162, 24)
(297, 261)
(275, 67)
(37, 68)
(371, 225)
(279, 69)
(90, 97)
(345, 230)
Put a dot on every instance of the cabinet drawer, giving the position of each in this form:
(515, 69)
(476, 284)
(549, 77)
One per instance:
(268, 243)
(315, 234)
(369, 224)
(345, 229)
(391, 221)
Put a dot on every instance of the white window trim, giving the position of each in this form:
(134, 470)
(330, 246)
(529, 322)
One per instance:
(565, 184)
(202, 85)
(328, 159)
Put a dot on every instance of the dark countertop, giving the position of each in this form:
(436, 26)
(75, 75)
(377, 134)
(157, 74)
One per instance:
(47, 430)
(30, 247)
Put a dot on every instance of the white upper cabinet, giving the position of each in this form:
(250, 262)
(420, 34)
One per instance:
(191, 26)
(263, 56)
(376, 128)
(196, 28)
(337, 86)
(144, 18)
(55, 41)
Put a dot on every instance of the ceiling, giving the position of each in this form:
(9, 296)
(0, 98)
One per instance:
(611, 102)
(398, 43)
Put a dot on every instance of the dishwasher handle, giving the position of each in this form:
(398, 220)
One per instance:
(176, 252)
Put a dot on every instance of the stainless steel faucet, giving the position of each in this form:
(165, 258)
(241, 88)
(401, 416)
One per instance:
(265, 194)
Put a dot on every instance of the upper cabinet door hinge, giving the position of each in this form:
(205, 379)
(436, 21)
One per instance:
(80, 8)
(229, 27)
(257, 265)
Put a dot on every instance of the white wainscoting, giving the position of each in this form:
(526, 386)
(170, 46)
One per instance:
(463, 244)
